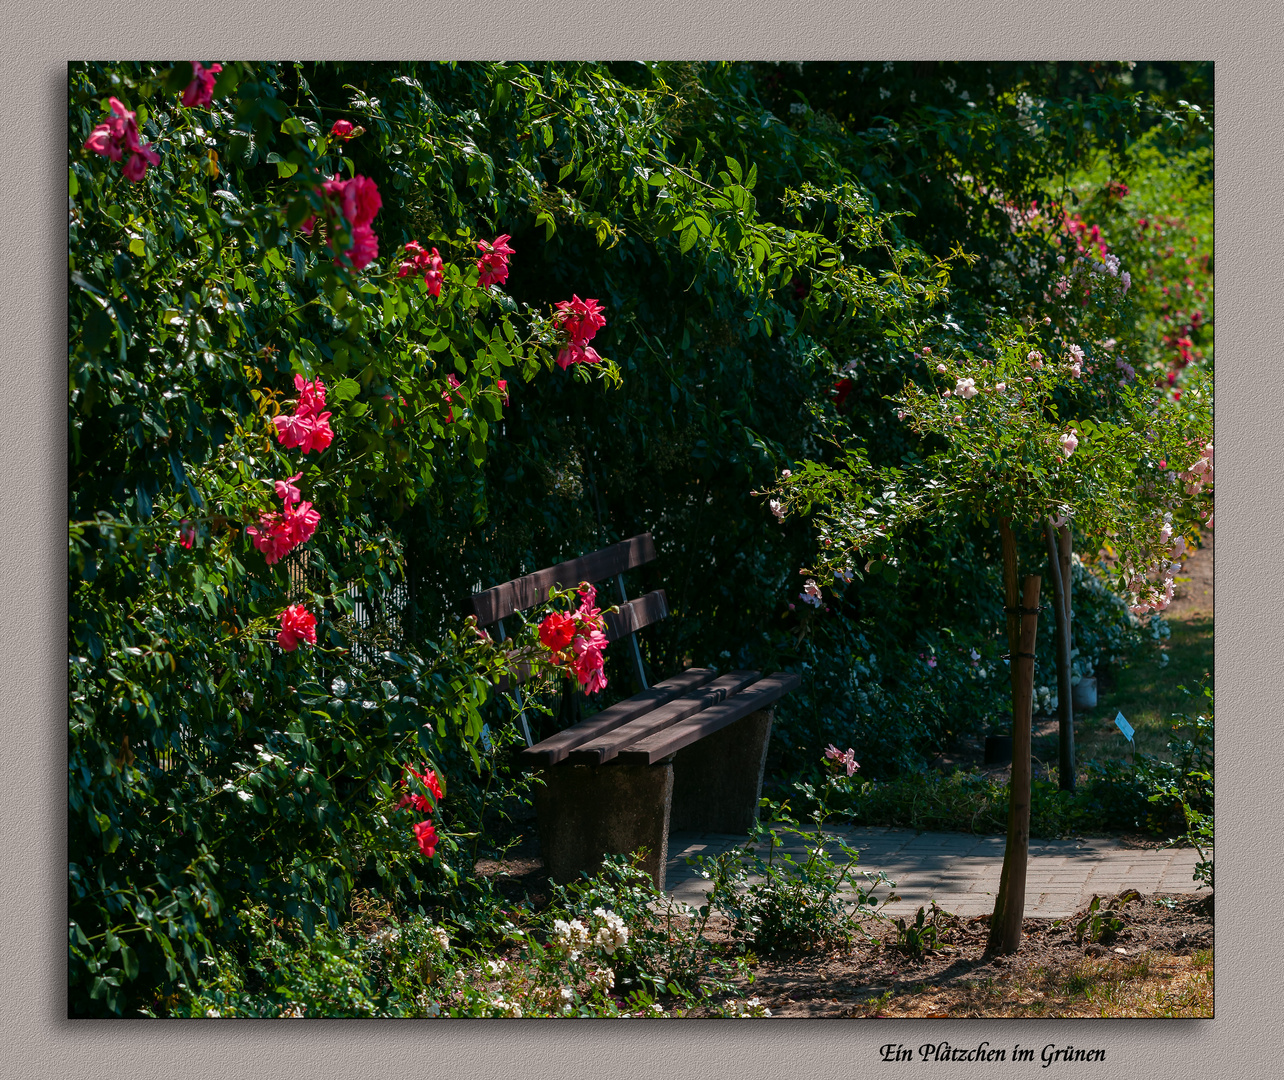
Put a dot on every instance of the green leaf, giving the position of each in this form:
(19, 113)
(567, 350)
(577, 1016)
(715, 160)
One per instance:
(285, 169)
(137, 247)
(346, 390)
(97, 330)
(129, 960)
(687, 242)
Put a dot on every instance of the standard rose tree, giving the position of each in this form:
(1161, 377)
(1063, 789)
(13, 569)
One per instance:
(1006, 456)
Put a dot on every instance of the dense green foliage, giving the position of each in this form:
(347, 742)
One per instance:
(751, 247)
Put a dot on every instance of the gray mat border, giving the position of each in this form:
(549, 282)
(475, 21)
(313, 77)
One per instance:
(35, 1041)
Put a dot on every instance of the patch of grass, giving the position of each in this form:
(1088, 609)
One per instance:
(1148, 694)
(974, 802)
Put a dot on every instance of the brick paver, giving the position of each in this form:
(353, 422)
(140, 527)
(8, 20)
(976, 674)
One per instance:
(961, 872)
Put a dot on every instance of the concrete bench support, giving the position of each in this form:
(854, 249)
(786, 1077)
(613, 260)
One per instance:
(588, 811)
(717, 781)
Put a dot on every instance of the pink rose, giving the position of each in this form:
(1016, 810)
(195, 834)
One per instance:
(286, 491)
(365, 247)
(297, 625)
(1068, 442)
(317, 433)
(291, 430)
(576, 352)
(200, 91)
(311, 394)
(493, 265)
(136, 167)
(301, 522)
(581, 319)
(342, 129)
(422, 262)
(358, 199)
(271, 537)
(845, 760)
(119, 133)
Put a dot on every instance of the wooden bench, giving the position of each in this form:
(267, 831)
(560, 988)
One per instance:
(685, 753)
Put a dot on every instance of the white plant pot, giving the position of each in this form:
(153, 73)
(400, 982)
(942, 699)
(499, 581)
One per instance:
(1085, 693)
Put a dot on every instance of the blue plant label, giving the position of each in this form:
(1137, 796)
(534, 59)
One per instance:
(1124, 726)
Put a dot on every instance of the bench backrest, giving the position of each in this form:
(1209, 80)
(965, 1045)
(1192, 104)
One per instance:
(491, 605)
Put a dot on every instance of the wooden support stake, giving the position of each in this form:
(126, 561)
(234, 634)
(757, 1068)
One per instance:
(1061, 620)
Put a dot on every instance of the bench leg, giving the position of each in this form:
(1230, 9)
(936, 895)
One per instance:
(717, 781)
(588, 811)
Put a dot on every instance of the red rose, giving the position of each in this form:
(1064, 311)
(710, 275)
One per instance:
(556, 631)
(297, 624)
(426, 837)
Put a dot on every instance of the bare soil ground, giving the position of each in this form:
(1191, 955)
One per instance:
(1159, 964)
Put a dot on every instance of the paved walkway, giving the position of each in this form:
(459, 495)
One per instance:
(961, 872)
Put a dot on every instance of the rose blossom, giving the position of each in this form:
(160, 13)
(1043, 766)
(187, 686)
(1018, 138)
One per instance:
(845, 760)
(358, 199)
(297, 624)
(1068, 442)
(426, 838)
(200, 91)
(493, 264)
(965, 388)
(576, 352)
(305, 430)
(581, 319)
(342, 129)
(427, 263)
(420, 802)
(286, 491)
(118, 133)
(556, 631)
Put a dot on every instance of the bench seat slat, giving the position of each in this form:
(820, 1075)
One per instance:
(653, 748)
(554, 749)
(604, 747)
(501, 601)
